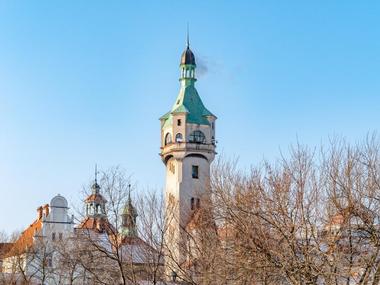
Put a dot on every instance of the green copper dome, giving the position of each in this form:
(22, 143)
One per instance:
(128, 219)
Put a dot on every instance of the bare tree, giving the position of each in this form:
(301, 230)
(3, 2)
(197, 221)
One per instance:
(109, 257)
(312, 218)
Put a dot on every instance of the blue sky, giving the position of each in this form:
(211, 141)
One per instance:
(84, 82)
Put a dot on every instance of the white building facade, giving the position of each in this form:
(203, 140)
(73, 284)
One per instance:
(34, 255)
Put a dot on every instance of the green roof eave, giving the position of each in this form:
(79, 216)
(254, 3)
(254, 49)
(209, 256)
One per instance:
(168, 121)
(189, 103)
(166, 116)
(180, 109)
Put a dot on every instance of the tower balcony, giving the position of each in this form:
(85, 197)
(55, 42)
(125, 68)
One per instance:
(187, 147)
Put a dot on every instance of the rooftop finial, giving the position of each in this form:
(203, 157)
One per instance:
(188, 41)
(96, 173)
(129, 193)
(95, 187)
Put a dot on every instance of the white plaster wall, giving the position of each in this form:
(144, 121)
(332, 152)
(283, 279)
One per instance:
(58, 221)
(191, 187)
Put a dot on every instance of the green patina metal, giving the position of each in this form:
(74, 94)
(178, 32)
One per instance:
(129, 215)
(188, 102)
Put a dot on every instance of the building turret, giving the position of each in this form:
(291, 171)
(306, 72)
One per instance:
(96, 216)
(95, 203)
(128, 217)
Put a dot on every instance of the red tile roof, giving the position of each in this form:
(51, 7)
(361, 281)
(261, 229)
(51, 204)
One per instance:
(99, 225)
(96, 197)
(25, 241)
(5, 248)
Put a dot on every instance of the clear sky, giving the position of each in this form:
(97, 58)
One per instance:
(84, 82)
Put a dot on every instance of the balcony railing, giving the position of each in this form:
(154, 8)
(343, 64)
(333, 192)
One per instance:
(190, 146)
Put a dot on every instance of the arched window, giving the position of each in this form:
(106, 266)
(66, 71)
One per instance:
(178, 137)
(197, 137)
(168, 138)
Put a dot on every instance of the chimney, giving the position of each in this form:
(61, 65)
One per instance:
(39, 213)
(46, 210)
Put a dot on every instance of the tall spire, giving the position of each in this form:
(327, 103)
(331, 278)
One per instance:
(128, 227)
(96, 173)
(95, 203)
(188, 57)
(95, 187)
(129, 194)
(188, 41)
(187, 65)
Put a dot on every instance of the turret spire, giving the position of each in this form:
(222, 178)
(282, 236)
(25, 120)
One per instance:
(129, 194)
(95, 187)
(188, 41)
(129, 215)
(96, 173)
(95, 203)
(187, 65)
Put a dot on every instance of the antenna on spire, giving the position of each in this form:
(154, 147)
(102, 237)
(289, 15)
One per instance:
(188, 41)
(96, 173)
(95, 187)
(129, 193)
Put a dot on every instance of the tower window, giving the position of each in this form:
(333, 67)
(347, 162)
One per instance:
(179, 122)
(168, 138)
(60, 236)
(53, 236)
(198, 203)
(192, 203)
(195, 171)
(178, 137)
(197, 137)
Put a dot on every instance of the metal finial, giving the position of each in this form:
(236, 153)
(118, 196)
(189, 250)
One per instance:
(129, 193)
(188, 41)
(95, 187)
(96, 173)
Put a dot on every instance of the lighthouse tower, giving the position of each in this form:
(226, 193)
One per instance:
(187, 150)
